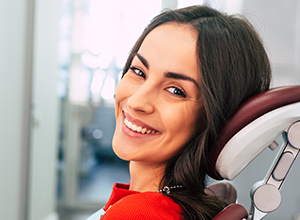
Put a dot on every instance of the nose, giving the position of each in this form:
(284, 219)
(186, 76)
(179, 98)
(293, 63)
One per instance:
(143, 99)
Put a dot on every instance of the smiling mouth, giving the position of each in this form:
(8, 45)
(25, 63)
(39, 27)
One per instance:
(137, 128)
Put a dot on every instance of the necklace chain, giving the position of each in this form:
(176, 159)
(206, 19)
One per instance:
(168, 189)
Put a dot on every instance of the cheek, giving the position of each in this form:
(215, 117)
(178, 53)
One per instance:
(182, 122)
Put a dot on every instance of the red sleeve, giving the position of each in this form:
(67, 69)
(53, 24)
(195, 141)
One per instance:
(144, 206)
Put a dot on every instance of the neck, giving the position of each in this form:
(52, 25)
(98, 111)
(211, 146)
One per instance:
(145, 177)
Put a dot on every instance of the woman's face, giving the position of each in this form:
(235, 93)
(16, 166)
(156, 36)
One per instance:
(158, 99)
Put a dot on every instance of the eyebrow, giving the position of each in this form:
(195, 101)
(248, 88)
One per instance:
(170, 75)
(142, 59)
(181, 77)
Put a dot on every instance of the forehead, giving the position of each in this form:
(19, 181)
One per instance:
(172, 45)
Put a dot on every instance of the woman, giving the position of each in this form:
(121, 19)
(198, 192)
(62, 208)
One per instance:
(187, 73)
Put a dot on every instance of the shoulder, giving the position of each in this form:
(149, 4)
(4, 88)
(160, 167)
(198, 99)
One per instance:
(148, 205)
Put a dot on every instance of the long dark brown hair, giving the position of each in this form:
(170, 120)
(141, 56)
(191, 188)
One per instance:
(233, 67)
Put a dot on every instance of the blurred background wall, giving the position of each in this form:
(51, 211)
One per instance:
(60, 62)
(28, 108)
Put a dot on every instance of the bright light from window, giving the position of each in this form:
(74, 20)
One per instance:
(108, 89)
(89, 60)
(136, 15)
(103, 35)
(97, 82)
(228, 6)
(185, 3)
(103, 25)
(79, 82)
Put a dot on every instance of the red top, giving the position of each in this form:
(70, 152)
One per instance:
(126, 204)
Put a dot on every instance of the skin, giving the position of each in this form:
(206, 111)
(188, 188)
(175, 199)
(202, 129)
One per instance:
(159, 93)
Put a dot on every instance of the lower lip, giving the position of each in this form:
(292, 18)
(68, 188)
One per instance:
(134, 134)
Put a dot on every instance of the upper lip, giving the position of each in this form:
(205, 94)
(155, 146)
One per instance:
(138, 122)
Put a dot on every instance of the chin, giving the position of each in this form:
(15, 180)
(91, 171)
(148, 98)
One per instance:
(119, 150)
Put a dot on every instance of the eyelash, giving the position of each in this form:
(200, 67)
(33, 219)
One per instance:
(138, 72)
(176, 91)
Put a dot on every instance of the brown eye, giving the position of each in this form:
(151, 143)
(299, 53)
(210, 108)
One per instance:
(176, 91)
(138, 72)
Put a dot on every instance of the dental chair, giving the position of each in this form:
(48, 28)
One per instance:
(254, 127)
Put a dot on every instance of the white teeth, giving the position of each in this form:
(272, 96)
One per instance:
(136, 128)
(144, 130)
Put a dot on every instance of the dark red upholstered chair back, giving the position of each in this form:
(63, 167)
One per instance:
(261, 109)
